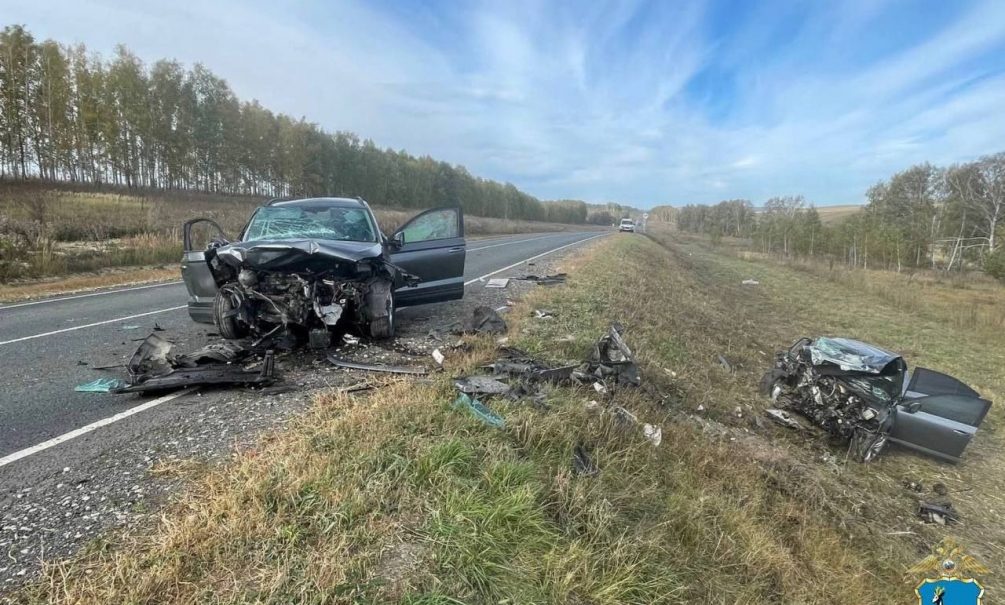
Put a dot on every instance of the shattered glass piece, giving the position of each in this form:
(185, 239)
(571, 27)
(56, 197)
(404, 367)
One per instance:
(101, 385)
(464, 401)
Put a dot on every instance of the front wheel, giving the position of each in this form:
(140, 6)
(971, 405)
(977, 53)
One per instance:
(225, 308)
(382, 315)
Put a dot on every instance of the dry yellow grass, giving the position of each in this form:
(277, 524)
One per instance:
(396, 497)
(76, 284)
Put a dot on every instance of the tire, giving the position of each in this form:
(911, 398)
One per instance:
(224, 306)
(382, 322)
(769, 381)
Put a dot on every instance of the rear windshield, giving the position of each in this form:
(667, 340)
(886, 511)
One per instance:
(330, 223)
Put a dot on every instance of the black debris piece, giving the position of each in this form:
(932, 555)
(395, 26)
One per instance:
(157, 327)
(484, 320)
(582, 463)
(938, 513)
(372, 367)
(209, 374)
(545, 280)
(278, 389)
(611, 358)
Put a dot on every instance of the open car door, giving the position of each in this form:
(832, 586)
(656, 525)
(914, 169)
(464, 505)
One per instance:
(431, 245)
(939, 415)
(195, 269)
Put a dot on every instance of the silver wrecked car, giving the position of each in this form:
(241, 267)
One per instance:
(867, 395)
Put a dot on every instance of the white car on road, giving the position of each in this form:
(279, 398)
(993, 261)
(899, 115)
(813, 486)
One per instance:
(627, 224)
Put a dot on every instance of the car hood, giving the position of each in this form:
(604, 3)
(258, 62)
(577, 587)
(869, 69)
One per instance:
(296, 255)
(854, 356)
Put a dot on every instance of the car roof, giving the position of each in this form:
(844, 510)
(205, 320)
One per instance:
(321, 202)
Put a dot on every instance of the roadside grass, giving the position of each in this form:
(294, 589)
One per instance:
(394, 496)
(76, 284)
(56, 232)
(792, 301)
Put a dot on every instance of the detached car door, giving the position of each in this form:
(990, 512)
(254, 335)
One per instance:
(431, 245)
(195, 268)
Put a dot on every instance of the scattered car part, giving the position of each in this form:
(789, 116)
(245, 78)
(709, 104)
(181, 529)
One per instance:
(481, 385)
(338, 362)
(582, 463)
(750, 282)
(484, 320)
(497, 282)
(479, 410)
(545, 280)
(865, 395)
(101, 385)
(783, 418)
(653, 433)
(209, 374)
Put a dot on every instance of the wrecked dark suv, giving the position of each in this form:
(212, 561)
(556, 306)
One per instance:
(867, 396)
(304, 267)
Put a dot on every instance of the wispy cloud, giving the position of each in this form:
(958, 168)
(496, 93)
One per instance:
(644, 102)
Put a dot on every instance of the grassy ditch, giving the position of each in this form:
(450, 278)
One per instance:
(396, 497)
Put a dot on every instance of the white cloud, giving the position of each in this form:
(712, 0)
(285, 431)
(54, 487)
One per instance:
(585, 99)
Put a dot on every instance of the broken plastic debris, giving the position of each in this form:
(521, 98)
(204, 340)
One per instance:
(750, 282)
(124, 327)
(338, 362)
(479, 410)
(485, 320)
(783, 418)
(481, 385)
(438, 356)
(653, 433)
(101, 385)
(599, 387)
(497, 282)
(543, 314)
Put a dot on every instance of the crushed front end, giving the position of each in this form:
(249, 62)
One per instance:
(846, 387)
(303, 289)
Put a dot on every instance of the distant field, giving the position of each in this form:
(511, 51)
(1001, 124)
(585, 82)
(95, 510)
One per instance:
(50, 232)
(833, 214)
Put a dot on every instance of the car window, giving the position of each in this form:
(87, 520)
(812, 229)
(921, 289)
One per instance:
(438, 224)
(966, 410)
(330, 222)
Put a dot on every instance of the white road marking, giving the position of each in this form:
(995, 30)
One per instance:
(91, 325)
(517, 264)
(155, 402)
(519, 241)
(103, 293)
(28, 451)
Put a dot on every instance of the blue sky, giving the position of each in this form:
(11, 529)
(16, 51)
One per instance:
(640, 102)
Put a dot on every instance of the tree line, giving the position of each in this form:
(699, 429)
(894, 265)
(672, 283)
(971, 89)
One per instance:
(68, 115)
(926, 216)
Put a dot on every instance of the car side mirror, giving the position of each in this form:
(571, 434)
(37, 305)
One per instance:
(913, 407)
(397, 240)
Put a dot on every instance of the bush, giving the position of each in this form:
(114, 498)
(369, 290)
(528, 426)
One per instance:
(994, 264)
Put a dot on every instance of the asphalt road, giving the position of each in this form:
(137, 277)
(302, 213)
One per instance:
(48, 347)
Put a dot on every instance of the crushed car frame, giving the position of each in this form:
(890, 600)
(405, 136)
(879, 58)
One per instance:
(866, 395)
(303, 267)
